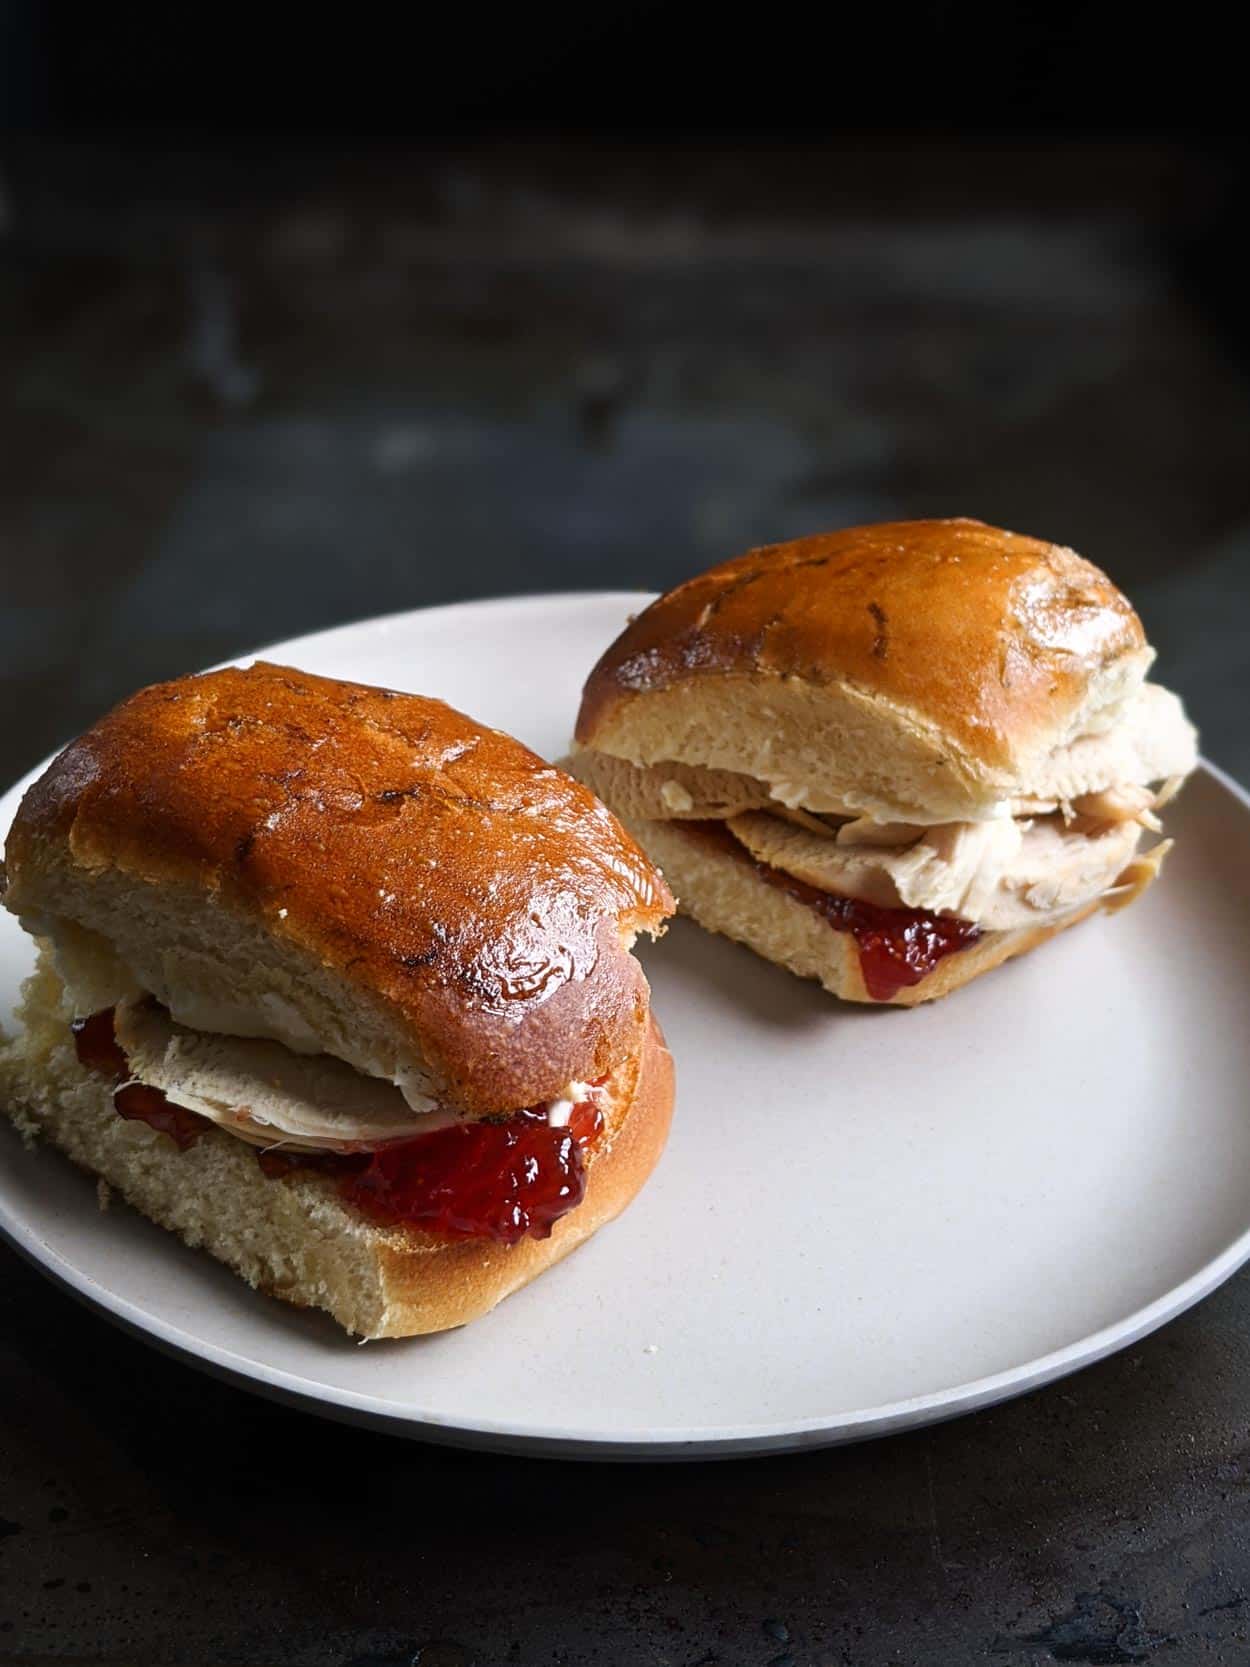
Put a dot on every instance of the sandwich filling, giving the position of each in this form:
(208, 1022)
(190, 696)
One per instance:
(388, 1147)
(195, 1057)
(1067, 839)
(499, 1178)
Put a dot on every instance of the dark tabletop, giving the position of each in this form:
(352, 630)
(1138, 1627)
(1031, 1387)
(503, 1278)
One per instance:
(250, 394)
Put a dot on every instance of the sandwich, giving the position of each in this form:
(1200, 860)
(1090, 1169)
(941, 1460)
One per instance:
(892, 757)
(337, 984)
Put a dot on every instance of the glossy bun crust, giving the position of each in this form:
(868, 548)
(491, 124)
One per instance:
(990, 642)
(480, 897)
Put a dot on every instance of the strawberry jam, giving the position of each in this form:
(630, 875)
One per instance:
(97, 1047)
(495, 1180)
(897, 947)
(499, 1181)
(136, 1102)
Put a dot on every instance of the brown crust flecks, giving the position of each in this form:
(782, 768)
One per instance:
(881, 642)
(435, 863)
(983, 632)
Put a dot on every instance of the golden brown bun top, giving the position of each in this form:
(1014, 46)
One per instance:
(984, 634)
(443, 867)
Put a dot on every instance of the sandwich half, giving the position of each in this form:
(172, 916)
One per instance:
(890, 758)
(336, 983)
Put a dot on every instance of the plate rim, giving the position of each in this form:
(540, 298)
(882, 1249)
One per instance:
(705, 1442)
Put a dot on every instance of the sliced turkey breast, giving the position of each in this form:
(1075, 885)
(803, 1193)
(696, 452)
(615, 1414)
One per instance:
(263, 1092)
(1000, 874)
(1152, 741)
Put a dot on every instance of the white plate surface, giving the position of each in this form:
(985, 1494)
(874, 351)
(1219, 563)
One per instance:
(865, 1219)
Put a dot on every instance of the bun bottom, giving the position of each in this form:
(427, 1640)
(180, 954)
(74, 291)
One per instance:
(726, 896)
(296, 1238)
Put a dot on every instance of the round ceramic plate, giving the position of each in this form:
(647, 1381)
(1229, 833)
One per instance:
(865, 1219)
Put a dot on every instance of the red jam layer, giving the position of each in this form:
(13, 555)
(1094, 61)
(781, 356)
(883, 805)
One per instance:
(897, 947)
(140, 1104)
(97, 1047)
(500, 1181)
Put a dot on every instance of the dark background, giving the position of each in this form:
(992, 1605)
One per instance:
(303, 320)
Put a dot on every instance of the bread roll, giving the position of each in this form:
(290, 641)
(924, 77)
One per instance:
(938, 719)
(330, 921)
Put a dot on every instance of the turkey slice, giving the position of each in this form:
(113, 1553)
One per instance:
(1151, 741)
(999, 874)
(263, 1092)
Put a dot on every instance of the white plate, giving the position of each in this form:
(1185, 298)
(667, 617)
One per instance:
(865, 1219)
